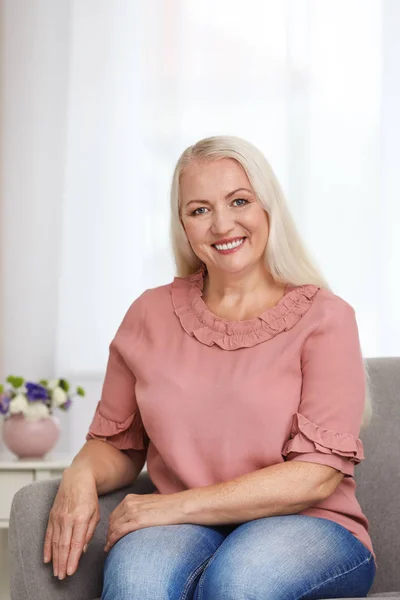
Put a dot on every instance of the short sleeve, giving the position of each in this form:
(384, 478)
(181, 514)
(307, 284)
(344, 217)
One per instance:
(117, 418)
(326, 428)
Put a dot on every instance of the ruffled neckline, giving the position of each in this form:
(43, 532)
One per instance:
(198, 321)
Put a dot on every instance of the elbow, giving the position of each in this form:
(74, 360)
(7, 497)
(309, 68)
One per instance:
(329, 484)
(322, 481)
(317, 481)
(312, 497)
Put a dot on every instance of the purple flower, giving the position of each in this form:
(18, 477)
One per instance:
(67, 404)
(35, 391)
(4, 403)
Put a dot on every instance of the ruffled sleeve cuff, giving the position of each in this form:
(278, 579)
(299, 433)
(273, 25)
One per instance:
(311, 443)
(125, 435)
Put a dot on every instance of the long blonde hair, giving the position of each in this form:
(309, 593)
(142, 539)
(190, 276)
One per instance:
(286, 256)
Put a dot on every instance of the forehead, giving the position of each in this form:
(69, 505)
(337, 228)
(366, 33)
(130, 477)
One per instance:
(204, 179)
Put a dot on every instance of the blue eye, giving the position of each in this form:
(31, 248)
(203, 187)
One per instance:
(242, 201)
(202, 208)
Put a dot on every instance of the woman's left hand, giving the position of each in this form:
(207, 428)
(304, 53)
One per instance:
(137, 511)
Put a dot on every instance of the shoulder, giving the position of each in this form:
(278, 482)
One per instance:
(329, 305)
(152, 300)
(332, 343)
(155, 298)
(148, 308)
(332, 314)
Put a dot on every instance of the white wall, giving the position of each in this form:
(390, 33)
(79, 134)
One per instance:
(34, 92)
(388, 214)
(342, 174)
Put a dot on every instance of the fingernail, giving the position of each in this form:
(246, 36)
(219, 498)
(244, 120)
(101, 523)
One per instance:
(61, 577)
(69, 571)
(85, 547)
(55, 573)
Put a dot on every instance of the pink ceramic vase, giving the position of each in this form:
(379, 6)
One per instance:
(30, 439)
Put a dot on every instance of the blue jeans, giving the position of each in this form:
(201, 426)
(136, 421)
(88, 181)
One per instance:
(289, 557)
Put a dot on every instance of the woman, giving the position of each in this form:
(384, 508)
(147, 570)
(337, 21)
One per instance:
(243, 384)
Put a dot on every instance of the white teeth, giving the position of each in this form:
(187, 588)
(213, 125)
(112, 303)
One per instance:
(230, 245)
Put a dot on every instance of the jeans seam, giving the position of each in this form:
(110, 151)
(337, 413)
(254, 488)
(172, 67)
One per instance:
(201, 583)
(192, 577)
(335, 577)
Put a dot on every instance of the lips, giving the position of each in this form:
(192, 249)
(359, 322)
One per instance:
(229, 247)
(228, 241)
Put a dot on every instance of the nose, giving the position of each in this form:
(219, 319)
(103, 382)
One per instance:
(222, 222)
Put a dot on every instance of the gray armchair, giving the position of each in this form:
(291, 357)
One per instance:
(378, 491)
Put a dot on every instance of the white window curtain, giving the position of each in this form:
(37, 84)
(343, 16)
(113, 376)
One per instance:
(117, 89)
(155, 77)
(301, 79)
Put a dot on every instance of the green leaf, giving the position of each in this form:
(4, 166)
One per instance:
(44, 382)
(80, 391)
(1, 388)
(64, 385)
(16, 382)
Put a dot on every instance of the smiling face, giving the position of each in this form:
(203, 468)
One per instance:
(226, 226)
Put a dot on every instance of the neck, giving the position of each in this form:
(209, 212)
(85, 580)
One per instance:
(222, 285)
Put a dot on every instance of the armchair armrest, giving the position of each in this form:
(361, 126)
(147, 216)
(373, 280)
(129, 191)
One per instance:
(30, 577)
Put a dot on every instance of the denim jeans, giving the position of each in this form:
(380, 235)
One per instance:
(289, 557)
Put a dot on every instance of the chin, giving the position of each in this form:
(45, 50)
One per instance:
(234, 268)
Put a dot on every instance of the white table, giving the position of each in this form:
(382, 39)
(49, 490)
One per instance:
(14, 474)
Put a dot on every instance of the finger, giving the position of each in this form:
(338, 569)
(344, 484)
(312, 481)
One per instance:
(117, 520)
(119, 533)
(124, 505)
(54, 547)
(125, 523)
(117, 512)
(47, 550)
(64, 547)
(76, 547)
(91, 529)
(125, 508)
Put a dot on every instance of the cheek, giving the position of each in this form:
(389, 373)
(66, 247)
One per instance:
(258, 225)
(194, 231)
(264, 228)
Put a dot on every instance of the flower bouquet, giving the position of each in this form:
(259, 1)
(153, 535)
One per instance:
(30, 428)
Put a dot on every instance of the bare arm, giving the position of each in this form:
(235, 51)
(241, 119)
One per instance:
(98, 468)
(281, 489)
(285, 488)
(110, 468)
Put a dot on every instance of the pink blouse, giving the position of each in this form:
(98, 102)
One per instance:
(213, 399)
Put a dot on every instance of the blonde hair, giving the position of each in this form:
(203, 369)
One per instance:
(286, 256)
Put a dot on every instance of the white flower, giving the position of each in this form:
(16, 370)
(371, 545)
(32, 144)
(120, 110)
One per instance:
(52, 384)
(18, 404)
(36, 411)
(59, 397)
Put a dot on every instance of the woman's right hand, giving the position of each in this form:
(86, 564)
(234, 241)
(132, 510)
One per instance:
(72, 521)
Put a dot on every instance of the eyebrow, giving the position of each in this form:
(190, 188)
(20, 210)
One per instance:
(226, 197)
